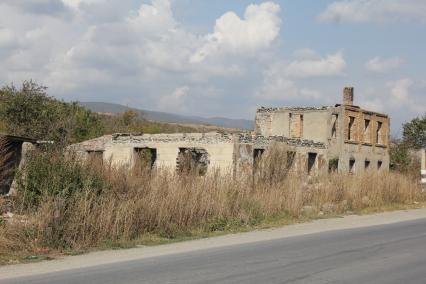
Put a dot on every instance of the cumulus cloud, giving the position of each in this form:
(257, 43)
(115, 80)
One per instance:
(306, 53)
(154, 18)
(331, 65)
(383, 65)
(131, 53)
(41, 7)
(399, 90)
(362, 11)
(175, 101)
(277, 86)
(76, 4)
(406, 93)
(257, 30)
(292, 81)
(7, 38)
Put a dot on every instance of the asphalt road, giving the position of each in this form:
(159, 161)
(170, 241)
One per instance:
(394, 253)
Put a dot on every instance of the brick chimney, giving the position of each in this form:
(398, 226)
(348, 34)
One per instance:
(348, 96)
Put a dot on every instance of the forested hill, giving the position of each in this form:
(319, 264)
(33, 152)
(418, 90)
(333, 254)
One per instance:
(170, 117)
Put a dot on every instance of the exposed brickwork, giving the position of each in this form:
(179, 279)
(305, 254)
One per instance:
(348, 96)
(296, 125)
(359, 134)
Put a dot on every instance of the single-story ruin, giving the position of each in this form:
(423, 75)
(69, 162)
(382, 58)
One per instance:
(212, 150)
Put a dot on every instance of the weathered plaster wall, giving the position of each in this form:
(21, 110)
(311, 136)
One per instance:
(305, 123)
(227, 152)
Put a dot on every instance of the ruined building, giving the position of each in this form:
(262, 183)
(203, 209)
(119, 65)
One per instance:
(356, 139)
(11, 150)
(344, 137)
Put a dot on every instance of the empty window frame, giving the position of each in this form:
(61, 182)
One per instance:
(296, 125)
(333, 165)
(379, 133)
(144, 158)
(291, 156)
(192, 160)
(379, 165)
(351, 128)
(312, 158)
(334, 120)
(352, 166)
(367, 164)
(367, 131)
(95, 158)
(257, 155)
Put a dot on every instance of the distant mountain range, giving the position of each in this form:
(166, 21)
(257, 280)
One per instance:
(170, 117)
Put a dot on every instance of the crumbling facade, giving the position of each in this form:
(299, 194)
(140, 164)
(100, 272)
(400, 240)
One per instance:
(343, 137)
(356, 139)
(227, 152)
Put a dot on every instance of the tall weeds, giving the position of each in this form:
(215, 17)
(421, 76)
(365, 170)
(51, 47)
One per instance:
(72, 205)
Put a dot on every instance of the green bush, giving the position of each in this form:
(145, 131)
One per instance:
(52, 173)
(30, 112)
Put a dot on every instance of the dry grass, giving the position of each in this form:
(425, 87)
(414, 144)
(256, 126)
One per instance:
(164, 205)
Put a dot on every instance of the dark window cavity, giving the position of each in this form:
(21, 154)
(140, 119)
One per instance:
(312, 157)
(145, 158)
(192, 160)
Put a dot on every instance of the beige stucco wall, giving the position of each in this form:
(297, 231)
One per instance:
(277, 123)
(361, 153)
(120, 154)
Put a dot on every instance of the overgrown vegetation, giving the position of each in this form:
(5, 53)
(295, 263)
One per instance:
(29, 111)
(82, 206)
(63, 205)
(414, 133)
(402, 151)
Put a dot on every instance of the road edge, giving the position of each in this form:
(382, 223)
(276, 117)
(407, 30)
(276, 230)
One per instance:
(116, 256)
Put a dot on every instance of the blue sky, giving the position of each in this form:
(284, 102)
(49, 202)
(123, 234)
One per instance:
(220, 58)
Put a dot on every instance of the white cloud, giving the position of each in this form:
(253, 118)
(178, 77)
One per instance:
(383, 65)
(76, 3)
(154, 19)
(306, 53)
(175, 101)
(7, 38)
(406, 94)
(362, 11)
(289, 81)
(279, 87)
(399, 91)
(259, 28)
(332, 65)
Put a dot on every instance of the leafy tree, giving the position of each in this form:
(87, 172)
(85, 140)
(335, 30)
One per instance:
(400, 158)
(30, 112)
(414, 133)
(129, 117)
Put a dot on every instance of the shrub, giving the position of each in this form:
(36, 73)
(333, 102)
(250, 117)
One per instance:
(53, 173)
(69, 205)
